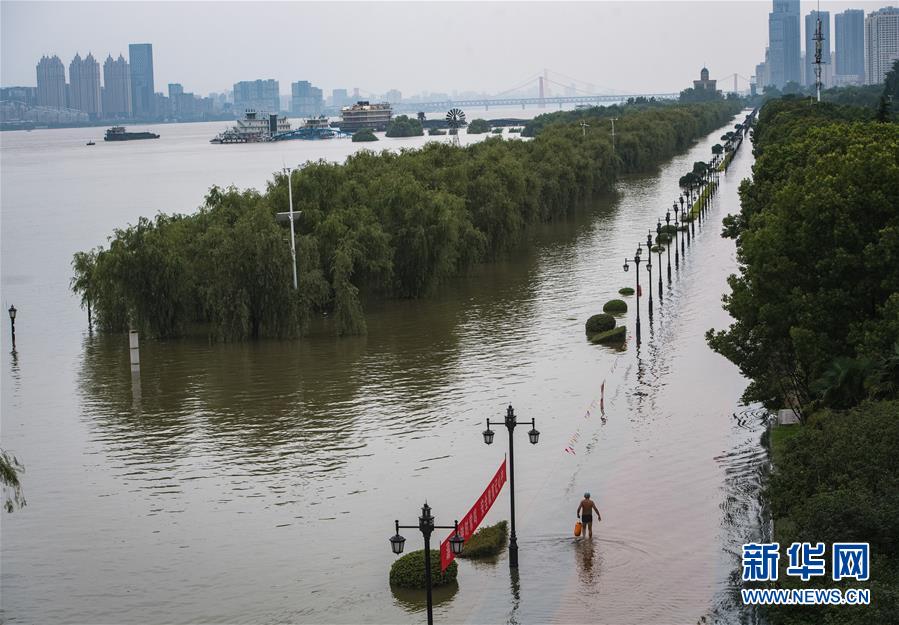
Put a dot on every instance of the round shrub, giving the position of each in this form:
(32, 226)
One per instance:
(615, 306)
(617, 335)
(409, 571)
(657, 248)
(599, 323)
(487, 541)
(668, 229)
(664, 238)
(626, 291)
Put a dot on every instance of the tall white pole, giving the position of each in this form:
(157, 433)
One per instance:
(293, 244)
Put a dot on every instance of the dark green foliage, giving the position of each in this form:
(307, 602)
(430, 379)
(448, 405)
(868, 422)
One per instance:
(487, 541)
(380, 225)
(700, 95)
(478, 126)
(816, 302)
(614, 336)
(409, 570)
(664, 238)
(657, 248)
(364, 134)
(436, 132)
(836, 479)
(615, 306)
(626, 291)
(514, 130)
(403, 126)
(717, 149)
(497, 131)
(9, 479)
(599, 323)
(668, 229)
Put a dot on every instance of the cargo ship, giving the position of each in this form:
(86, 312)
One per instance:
(365, 115)
(118, 133)
(254, 128)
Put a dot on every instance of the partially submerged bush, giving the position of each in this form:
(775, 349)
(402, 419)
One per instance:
(617, 335)
(664, 238)
(615, 306)
(626, 291)
(657, 248)
(487, 541)
(409, 571)
(599, 323)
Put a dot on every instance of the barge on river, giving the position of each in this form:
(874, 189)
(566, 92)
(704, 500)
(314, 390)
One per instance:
(254, 128)
(118, 133)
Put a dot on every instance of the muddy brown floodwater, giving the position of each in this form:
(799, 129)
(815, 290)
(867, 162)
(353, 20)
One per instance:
(259, 482)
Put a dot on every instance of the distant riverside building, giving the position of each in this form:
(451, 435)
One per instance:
(27, 95)
(850, 47)
(305, 100)
(116, 87)
(784, 43)
(339, 98)
(51, 82)
(84, 77)
(393, 96)
(259, 95)
(811, 25)
(881, 43)
(143, 101)
(704, 84)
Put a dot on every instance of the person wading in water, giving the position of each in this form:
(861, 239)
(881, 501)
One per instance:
(585, 512)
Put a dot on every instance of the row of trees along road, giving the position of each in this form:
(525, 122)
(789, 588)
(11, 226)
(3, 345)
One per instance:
(816, 326)
(387, 224)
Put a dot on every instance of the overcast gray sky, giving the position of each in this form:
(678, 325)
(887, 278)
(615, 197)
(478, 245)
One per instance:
(423, 46)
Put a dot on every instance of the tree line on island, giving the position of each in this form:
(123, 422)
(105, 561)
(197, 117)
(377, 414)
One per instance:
(387, 225)
(816, 328)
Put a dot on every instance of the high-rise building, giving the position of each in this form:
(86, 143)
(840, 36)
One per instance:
(51, 82)
(143, 102)
(784, 43)
(339, 97)
(306, 100)
(116, 87)
(811, 25)
(259, 95)
(393, 96)
(881, 43)
(84, 76)
(850, 46)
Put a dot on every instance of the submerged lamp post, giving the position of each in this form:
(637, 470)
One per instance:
(659, 250)
(12, 322)
(649, 268)
(637, 261)
(426, 526)
(533, 436)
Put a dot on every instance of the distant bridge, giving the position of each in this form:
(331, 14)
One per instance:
(559, 101)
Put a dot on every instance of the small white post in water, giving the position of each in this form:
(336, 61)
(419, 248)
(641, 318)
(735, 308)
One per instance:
(134, 345)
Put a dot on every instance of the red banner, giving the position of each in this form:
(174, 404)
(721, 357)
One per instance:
(472, 520)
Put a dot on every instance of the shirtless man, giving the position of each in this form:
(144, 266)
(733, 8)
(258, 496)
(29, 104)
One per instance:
(585, 512)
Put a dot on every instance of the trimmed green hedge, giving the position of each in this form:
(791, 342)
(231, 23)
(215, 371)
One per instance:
(365, 134)
(599, 323)
(626, 291)
(618, 335)
(487, 541)
(409, 571)
(664, 238)
(657, 248)
(615, 306)
(668, 229)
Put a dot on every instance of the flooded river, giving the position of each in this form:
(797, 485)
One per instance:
(259, 482)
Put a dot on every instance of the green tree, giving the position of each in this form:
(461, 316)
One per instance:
(10, 468)
(478, 126)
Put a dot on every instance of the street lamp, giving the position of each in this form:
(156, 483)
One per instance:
(659, 250)
(683, 222)
(426, 526)
(676, 224)
(637, 261)
(12, 323)
(649, 267)
(533, 437)
(668, 242)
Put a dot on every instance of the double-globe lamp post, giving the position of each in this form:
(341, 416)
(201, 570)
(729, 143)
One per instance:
(649, 268)
(533, 435)
(659, 250)
(426, 526)
(12, 323)
(637, 261)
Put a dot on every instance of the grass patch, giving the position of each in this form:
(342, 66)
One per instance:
(780, 434)
(409, 571)
(614, 336)
(615, 306)
(487, 541)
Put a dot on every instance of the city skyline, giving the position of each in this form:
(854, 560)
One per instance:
(464, 57)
